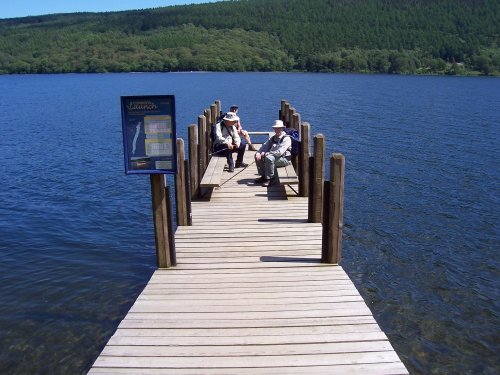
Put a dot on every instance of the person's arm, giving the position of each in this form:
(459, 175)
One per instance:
(266, 146)
(236, 136)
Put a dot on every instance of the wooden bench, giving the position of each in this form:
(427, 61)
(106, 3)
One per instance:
(287, 175)
(213, 175)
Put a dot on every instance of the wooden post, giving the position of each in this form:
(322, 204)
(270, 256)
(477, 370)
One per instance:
(286, 119)
(281, 115)
(334, 211)
(180, 185)
(171, 237)
(296, 121)
(187, 182)
(202, 145)
(163, 228)
(316, 206)
(194, 160)
(291, 121)
(304, 154)
(213, 114)
(208, 119)
(219, 107)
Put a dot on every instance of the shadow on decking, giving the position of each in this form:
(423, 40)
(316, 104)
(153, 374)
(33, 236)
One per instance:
(289, 259)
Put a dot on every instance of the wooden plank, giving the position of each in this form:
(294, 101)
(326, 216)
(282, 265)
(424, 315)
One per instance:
(171, 327)
(240, 350)
(247, 361)
(386, 368)
(287, 175)
(213, 174)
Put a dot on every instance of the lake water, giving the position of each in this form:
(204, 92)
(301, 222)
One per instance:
(421, 235)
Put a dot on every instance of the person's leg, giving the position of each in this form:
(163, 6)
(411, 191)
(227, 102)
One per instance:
(259, 162)
(251, 147)
(239, 157)
(269, 166)
(281, 162)
(222, 150)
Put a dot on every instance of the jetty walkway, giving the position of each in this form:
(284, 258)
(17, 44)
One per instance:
(249, 295)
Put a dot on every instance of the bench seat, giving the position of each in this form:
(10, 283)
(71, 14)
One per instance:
(287, 175)
(213, 175)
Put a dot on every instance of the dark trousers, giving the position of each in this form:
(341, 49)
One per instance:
(222, 150)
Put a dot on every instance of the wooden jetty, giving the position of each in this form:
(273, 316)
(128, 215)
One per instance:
(249, 295)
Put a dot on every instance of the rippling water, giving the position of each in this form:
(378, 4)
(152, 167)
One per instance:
(421, 233)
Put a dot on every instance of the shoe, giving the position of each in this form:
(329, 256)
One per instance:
(261, 180)
(270, 182)
(230, 169)
(241, 165)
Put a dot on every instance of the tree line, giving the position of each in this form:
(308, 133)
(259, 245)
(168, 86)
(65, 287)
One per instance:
(382, 36)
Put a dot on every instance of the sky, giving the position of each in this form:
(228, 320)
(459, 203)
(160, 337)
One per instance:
(23, 8)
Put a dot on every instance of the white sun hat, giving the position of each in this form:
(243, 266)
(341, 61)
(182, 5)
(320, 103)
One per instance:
(278, 124)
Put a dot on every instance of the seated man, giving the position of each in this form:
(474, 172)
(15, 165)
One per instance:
(228, 141)
(274, 153)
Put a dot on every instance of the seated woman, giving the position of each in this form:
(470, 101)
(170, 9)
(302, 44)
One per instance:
(241, 132)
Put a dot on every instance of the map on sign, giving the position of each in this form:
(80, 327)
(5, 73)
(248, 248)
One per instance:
(149, 134)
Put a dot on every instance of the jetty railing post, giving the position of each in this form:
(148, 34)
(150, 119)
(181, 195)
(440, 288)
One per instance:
(281, 114)
(162, 226)
(187, 181)
(202, 144)
(180, 185)
(304, 154)
(291, 118)
(333, 211)
(213, 114)
(219, 108)
(208, 119)
(194, 160)
(170, 224)
(286, 120)
(318, 174)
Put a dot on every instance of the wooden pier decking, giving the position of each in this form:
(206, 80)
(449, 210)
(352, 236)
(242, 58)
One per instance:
(249, 296)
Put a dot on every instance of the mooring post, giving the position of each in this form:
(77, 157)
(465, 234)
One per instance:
(187, 182)
(208, 119)
(194, 160)
(290, 118)
(170, 224)
(286, 119)
(281, 114)
(218, 105)
(202, 145)
(318, 174)
(180, 185)
(163, 240)
(333, 211)
(213, 113)
(304, 154)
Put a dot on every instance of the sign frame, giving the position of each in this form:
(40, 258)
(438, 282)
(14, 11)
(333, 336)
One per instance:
(149, 134)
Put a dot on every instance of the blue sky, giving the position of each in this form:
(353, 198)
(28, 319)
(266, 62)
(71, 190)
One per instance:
(22, 8)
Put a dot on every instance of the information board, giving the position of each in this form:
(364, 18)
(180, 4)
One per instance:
(149, 134)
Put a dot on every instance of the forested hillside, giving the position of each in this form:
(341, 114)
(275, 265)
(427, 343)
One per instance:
(386, 36)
